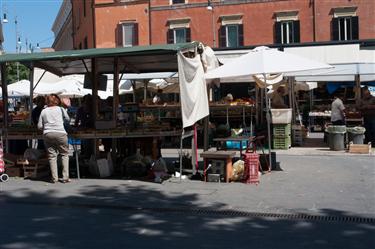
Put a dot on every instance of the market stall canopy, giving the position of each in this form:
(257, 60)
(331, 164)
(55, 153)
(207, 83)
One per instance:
(137, 59)
(19, 89)
(264, 60)
(69, 86)
(340, 73)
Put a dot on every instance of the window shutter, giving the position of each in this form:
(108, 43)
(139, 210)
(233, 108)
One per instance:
(277, 32)
(296, 31)
(240, 35)
(355, 28)
(170, 38)
(119, 38)
(222, 37)
(188, 35)
(335, 29)
(135, 34)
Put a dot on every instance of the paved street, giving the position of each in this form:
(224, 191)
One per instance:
(335, 194)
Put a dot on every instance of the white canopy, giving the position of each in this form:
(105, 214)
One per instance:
(263, 60)
(340, 73)
(66, 87)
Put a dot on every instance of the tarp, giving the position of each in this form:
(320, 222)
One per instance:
(333, 86)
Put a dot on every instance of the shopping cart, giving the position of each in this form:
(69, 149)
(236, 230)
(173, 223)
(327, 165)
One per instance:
(3, 177)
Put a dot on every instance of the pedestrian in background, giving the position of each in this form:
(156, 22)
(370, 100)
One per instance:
(337, 111)
(51, 121)
(35, 114)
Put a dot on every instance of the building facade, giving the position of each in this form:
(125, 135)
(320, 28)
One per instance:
(219, 23)
(63, 28)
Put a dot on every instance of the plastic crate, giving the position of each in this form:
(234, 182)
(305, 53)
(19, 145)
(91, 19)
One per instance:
(282, 143)
(281, 130)
(236, 144)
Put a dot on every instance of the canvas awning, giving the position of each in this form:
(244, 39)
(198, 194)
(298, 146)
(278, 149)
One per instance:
(137, 59)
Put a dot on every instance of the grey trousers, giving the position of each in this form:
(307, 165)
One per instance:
(57, 143)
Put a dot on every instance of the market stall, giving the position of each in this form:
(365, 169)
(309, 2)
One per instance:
(92, 63)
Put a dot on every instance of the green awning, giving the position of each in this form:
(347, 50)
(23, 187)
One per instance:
(137, 59)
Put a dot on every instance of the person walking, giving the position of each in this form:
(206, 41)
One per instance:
(51, 121)
(337, 111)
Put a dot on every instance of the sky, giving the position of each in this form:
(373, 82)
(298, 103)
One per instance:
(34, 22)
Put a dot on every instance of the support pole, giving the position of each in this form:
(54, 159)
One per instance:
(4, 87)
(94, 80)
(116, 83)
(358, 89)
(268, 118)
(31, 79)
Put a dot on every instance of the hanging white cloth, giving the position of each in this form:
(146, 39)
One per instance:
(210, 62)
(193, 91)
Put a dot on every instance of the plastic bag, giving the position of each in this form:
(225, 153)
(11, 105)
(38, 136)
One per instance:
(238, 170)
(102, 167)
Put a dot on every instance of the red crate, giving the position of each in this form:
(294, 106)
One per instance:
(251, 174)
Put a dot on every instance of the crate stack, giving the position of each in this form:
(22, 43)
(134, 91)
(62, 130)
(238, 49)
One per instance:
(281, 136)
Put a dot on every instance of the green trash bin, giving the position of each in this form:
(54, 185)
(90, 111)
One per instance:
(356, 134)
(336, 137)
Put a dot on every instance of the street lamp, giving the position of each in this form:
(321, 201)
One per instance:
(5, 20)
(210, 7)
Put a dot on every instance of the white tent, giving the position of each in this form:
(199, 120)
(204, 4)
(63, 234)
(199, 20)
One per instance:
(65, 87)
(263, 60)
(19, 89)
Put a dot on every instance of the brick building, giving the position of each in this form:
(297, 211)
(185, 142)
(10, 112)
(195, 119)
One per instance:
(218, 23)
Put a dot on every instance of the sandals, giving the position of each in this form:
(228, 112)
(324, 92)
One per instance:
(65, 181)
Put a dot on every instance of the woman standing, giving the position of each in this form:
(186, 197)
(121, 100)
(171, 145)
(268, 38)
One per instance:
(51, 120)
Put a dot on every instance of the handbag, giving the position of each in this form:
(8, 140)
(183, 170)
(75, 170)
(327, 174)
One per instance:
(68, 128)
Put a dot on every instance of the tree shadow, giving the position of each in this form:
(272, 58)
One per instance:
(129, 216)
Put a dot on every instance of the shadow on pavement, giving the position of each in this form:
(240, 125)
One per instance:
(126, 216)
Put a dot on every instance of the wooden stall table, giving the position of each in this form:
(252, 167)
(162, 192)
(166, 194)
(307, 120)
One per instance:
(219, 155)
(257, 140)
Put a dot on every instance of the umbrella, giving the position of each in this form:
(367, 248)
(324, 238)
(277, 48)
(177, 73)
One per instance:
(264, 60)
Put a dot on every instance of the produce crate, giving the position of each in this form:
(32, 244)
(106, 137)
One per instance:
(281, 130)
(282, 143)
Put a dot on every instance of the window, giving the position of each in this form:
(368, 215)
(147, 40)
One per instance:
(287, 32)
(178, 35)
(287, 27)
(179, 31)
(231, 36)
(345, 28)
(127, 34)
(177, 1)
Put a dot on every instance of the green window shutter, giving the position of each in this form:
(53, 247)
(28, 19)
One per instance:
(296, 31)
(277, 32)
(335, 29)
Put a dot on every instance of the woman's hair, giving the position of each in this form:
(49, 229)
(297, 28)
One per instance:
(53, 100)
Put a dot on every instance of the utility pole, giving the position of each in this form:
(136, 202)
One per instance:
(18, 42)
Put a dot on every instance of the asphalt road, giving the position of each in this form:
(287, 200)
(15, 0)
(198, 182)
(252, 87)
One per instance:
(43, 226)
(337, 194)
